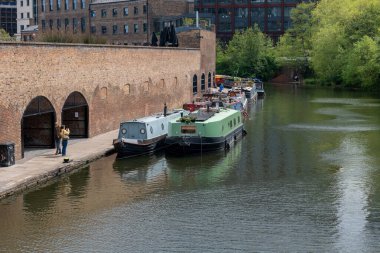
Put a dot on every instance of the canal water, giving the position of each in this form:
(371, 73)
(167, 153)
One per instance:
(305, 178)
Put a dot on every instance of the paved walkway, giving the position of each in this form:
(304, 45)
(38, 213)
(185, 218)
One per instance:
(39, 166)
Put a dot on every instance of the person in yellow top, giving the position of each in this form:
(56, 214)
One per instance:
(65, 132)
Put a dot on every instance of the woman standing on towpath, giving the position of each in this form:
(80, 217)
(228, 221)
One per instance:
(65, 132)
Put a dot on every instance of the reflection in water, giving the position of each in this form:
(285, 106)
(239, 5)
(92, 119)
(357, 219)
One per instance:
(305, 178)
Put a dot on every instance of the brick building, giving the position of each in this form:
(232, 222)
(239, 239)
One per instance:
(272, 16)
(117, 21)
(92, 88)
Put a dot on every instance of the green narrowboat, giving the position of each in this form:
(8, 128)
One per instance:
(205, 130)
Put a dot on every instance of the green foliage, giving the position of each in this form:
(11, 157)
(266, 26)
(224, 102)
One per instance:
(341, 38)
(294, 47)
(345, 42)
(187, 119)
(248, 54)
(4, 36)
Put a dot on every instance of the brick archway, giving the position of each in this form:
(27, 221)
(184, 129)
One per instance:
(37, 124)
(75, 115)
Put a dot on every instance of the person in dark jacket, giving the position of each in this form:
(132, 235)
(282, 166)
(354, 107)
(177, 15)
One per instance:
(57, 138)
(154, 40)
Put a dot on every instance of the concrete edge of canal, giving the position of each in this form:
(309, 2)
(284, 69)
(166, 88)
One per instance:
(41, 169)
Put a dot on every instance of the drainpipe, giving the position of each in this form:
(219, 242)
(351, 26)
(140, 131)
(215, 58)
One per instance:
(196, 19)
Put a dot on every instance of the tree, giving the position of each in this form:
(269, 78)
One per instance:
(4, 36)
(344, 43)
(248, 54)
(294, 47)
(363, 65)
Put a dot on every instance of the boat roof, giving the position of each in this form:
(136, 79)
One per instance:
(154, 117)
(213, 115)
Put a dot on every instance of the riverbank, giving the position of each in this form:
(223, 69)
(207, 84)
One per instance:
(45, 166)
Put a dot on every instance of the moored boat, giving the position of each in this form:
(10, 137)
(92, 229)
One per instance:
(259, 87)
(144, 135)
(204, 130)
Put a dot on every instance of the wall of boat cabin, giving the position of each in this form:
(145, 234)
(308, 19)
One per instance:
(118, 83)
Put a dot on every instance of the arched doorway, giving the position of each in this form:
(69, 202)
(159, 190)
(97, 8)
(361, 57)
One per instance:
(75, 115)
(37, 125)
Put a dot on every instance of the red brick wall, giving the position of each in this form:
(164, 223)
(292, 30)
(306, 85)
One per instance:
(101, 74)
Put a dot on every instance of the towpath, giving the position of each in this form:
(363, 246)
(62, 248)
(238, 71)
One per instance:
(39, 167)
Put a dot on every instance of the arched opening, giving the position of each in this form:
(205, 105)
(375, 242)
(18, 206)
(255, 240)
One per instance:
(75, 115)
(37, 125)
(195, 84)
(203, 82)
(209, 80)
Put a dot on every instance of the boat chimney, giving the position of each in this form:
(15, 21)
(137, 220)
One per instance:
(165, 110)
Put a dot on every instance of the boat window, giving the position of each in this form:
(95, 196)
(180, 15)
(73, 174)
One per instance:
(238, 119)
(142, 130)
(231, 123)
(151, 130)
(162, 126)
(123, 131)
(234, 122)
(188, 129)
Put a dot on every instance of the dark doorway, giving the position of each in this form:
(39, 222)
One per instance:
(75, 115)
(37, 125)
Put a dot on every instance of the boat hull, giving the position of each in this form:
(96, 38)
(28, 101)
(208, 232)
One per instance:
(181, 145)
(126, 149)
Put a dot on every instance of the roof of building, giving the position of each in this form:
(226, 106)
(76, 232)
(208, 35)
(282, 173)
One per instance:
(32, 28)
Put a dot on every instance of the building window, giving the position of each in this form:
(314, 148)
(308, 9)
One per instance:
(114, 29)
(195, 84)
(136, 28)
(50, 5)
(104, 13)
(126, 29)
(82, 4)
(75, 25)
(203, 82)
(93, 29)
(22, 27)
(241, 18)
(274, 19)
(51, 24)
(43, 5)
(104, 29)
(145, 8)
(66, 4)
(74, 4)
(21, 3)
(145, 27)
(58, 5)
(22, 15)
(209, 80)
(43, 23)
(28, 15)
(66, 23)
(58, 24)
(114, 12)
(257, 17)
(126, 11)
(224, 20)
(92, 13)
(135, 10)
(83, 24)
